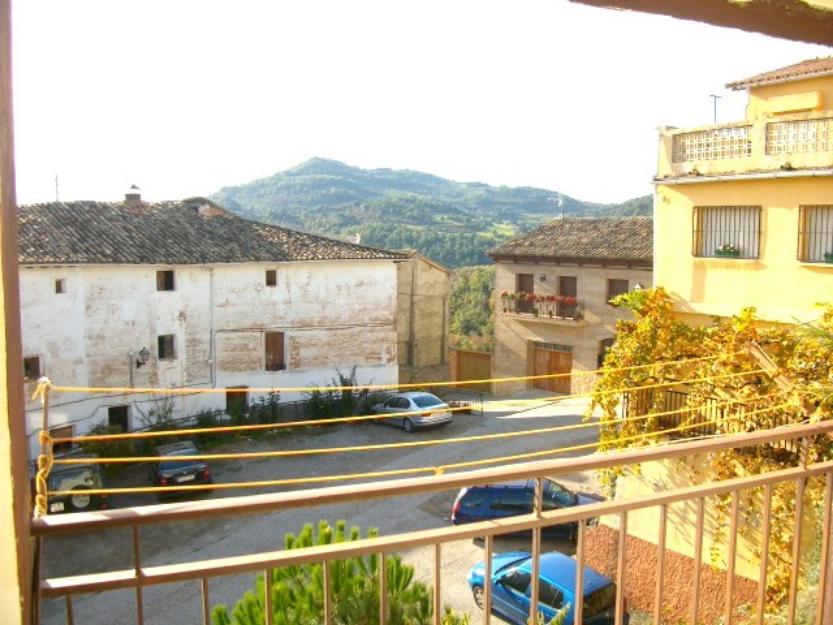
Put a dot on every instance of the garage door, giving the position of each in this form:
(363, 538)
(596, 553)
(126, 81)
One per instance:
(550, 361)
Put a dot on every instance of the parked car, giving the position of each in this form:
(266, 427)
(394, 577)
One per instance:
(496, 501)
(77, 478)
(511, 589)
(179, 472)
(424, 410)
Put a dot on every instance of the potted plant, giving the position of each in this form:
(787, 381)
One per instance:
(551, 301)
(504, 295)
(828, 257)
(727, 250)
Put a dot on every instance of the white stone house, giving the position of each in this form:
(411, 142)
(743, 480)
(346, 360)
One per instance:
(186, 294)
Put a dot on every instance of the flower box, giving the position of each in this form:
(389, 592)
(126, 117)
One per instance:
(727, 252)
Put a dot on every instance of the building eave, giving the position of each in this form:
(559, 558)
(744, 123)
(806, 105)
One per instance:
(761, 175)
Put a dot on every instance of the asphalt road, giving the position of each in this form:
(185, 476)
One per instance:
(237, 535)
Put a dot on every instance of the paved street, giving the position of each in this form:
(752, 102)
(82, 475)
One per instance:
(181, 603)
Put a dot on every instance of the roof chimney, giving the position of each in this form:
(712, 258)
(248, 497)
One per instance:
(133, 197)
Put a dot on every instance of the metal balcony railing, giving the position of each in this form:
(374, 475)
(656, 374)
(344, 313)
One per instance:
(140, 576)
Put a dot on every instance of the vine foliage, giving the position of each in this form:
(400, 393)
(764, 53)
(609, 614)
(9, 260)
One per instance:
(725, 373)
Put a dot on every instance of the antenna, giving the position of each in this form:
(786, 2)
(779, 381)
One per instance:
(715, 98)
(57, 198)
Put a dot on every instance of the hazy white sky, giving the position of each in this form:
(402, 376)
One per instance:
(184, 97)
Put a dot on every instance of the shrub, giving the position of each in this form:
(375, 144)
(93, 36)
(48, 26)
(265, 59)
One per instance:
(298, 591)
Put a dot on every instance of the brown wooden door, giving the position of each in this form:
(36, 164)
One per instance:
(549, 362)
(525, 283)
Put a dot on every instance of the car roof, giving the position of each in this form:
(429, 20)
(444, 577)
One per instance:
(171, 449)
(415, 394)
(560, 569)
(510, 484)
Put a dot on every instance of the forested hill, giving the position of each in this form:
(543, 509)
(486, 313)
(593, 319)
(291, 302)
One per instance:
(451, 222)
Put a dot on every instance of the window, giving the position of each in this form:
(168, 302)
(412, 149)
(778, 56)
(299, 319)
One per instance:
(60, 286)
(616, 287)
(726, 231)
(65, 431)
(271, 277)
(517, 580)
(31, 368)
(815, 234)
(274, 346)
(117, 418)
(165, 280)
(550, 595)
(513, 500)
(166, 347)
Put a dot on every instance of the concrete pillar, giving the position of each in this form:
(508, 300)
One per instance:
(15, 553)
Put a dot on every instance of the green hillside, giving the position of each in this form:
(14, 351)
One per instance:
(451, 222)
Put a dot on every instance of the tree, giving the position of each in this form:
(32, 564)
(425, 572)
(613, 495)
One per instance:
(655, 335)
(298, 591)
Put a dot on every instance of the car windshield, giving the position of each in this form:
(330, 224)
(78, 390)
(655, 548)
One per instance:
(427, 400)
(179, 464)
(75, 476)
(509, 565)
(557, 493)
(599, 601)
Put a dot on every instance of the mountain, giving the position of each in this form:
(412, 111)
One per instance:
(451, 222)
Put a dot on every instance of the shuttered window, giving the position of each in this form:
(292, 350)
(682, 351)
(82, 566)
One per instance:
(274, 345)
(815, 234)
(727, 231)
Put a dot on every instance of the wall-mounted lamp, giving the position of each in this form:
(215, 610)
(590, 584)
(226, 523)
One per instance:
(142, 357)
(542, 277)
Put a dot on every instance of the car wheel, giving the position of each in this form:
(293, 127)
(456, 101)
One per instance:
(408, 425)
(80, 500)
(479, 599)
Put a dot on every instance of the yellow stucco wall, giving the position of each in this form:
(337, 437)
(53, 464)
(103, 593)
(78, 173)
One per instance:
(682, 517)
(780, 286)
(790, 97)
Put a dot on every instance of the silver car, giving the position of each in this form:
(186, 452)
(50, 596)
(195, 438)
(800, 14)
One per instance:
(423, 410)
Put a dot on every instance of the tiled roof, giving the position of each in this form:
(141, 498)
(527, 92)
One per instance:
(187, 232)
(620, 239)
(806, 69)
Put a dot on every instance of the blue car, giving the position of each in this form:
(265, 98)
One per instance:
(496, 501)
(511, 588)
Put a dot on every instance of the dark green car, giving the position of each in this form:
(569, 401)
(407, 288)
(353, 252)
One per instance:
(77, 478)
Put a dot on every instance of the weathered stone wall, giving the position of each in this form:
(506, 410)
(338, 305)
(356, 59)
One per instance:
(422, 312)
(334, 315)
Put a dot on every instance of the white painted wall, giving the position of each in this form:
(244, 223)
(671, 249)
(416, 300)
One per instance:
(335, 314)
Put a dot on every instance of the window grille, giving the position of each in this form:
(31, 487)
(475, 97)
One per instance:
(712, 145)
(727, 231)
(815, 234)
(804, 135)
(556, 347)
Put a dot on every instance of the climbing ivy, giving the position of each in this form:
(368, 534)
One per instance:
(298, 591)
(803, 356)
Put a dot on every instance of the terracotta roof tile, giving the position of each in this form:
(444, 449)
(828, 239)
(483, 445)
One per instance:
(172, 233)
(620, 239)
(798, 71)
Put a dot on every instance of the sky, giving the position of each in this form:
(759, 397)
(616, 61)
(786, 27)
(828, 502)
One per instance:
(184, 97)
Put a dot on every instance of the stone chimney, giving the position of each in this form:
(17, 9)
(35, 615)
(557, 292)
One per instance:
(133, 197)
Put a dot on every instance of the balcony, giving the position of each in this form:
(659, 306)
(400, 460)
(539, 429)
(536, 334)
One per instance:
(551, 309)
(208, 576)
(784, 144)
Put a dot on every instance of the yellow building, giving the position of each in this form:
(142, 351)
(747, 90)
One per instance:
(744, 211)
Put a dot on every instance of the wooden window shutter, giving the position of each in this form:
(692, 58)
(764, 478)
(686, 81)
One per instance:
(274, 351)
